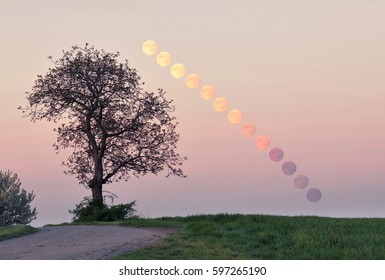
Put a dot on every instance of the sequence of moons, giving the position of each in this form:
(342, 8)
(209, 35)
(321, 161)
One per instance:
(234, 116)
(314, 195)
(207, 92)
(163, 59)
(221, 104)
(178, 70)
(149, 47)
(276, 154)
(193, 81)
(301, 181)
(262, 142)
(249, 129)
(289, 168)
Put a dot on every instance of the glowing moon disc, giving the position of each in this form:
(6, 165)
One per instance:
(207, 92)
(262, 142)
(249, 129)
(221, 104)
(193, 81)
(163, 59)
(149, 47)
(234, 116)
(276, 154)
(314, 195)
(289, 168)
(301, 181)
(178, 70)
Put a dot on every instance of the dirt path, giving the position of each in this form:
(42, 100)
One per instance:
(79, 242)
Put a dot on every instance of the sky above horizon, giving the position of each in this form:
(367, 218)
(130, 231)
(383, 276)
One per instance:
(309, 74)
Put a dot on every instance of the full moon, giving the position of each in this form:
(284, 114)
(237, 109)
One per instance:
(149, 47)
(301, 181)
(249, 129)
(289, 168)
(221, 104)
(163, 59)
(193, 81)
(276, 154)
(262, 142)
(234, 116)
(178, 70)
(207, 92)
(314, 195)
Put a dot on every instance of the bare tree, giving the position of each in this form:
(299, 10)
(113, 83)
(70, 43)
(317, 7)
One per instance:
(115, 128)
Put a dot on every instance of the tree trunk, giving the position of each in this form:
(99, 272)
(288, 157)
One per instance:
(97, 196)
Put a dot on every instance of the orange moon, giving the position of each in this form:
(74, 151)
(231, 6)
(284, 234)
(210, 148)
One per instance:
(221, 104)
(193, 81)
(207, 92)
(163, 59)
(234, 116)
(149, 47)
(262, 142)
(178, 71)
(249, 129)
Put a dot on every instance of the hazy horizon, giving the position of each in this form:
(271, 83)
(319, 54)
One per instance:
(310, 75)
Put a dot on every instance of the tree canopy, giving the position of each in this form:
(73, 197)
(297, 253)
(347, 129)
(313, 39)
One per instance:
(15, 202)
(114, 127)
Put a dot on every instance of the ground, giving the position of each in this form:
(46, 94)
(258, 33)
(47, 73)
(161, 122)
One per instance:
(77, 242)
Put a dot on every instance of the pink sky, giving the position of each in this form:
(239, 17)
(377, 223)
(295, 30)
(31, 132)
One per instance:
(310, 75)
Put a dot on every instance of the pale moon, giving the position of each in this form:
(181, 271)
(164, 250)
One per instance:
(207, 92)
(262, 142)
(234, 116)
(221, 104)
(178, 70)
(301, 181)
(314, 195)
(276, 154)
(289, 168)
(249, 130)
(149, 47)
(163, 59)
(193, 81)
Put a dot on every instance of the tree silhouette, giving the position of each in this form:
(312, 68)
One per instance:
(115, 129)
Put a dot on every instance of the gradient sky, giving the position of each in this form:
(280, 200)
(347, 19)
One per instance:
(309, 74)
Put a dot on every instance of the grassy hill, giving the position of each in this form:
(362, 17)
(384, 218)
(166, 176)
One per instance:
(226, 236)
(7, 232)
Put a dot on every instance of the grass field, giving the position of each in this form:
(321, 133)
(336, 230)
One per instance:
(231, 237)
(7, 232)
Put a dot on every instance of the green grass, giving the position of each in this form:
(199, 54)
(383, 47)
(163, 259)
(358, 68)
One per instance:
(7, 232)
(236, 236)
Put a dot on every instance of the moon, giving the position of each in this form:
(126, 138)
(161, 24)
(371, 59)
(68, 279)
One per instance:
(149, 47)
(207, 92)
(314, 195)
(193, 81)
(221, 104)
(289, 168)
(301, 181)
(276, 154)
(234, 116)
(249, 129)
(262, 142)
(178, 70)
(163, 59)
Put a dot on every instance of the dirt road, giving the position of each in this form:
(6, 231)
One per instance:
(79, 242)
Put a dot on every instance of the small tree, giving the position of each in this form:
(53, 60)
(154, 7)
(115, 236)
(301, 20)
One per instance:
(15, 202)
(114, 128)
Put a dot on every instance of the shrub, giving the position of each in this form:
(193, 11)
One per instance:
(14, 201)
(84, 211)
